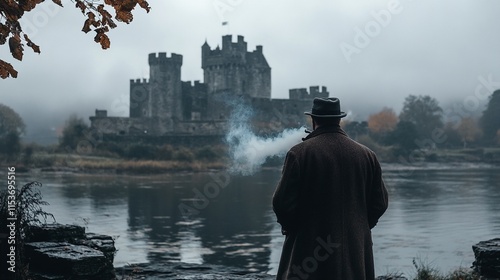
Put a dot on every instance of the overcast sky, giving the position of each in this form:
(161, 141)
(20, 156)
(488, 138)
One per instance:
(370, 53)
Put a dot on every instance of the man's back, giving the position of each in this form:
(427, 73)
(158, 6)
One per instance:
(331, 194)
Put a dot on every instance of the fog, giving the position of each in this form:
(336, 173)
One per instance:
(370, 54)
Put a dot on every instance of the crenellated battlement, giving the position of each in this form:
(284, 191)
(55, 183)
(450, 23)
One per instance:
(302, 94)
(138, 82)
(162, 58)
(239, 45)
(194, 84)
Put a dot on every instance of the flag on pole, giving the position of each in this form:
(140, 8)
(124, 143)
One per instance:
(224, 23)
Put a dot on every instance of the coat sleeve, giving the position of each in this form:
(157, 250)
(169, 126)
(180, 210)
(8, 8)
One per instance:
(378, 201)
(285, 198)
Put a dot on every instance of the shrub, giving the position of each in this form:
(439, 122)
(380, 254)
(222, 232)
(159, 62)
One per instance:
(207, 152)
(141, 151)
(110, 148)
(165, 152)
(28, 212)
(183, 154)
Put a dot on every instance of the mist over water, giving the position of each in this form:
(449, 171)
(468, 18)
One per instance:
(249, 151)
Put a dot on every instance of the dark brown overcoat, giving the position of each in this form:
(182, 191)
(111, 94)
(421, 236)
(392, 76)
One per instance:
(330, 196)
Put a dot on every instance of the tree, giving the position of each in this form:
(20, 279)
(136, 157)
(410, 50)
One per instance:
(424, 112)
(355, 129)
(73, 132)
(11, 128)
(403, 138)
(468, 130)
(383, 122)
(490, 121)
(10, 121)
(98, 19)
(453, 139)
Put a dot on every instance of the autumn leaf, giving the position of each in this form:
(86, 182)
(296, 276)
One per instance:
(81, 5)
(102, 38)
(144, 4)
(97, 17)
(4, 33)
(32, 45)
(16, 48)
(28, 5)
(90, 22)
(58, 2)
(7, 70)
(106, 17)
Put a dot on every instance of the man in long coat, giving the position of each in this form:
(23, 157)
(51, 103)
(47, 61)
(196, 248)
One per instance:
(330, 196)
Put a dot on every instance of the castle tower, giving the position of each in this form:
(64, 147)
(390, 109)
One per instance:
(234, 71)
(165, 89)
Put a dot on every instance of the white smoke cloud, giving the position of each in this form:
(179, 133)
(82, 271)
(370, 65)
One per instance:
(249, 151)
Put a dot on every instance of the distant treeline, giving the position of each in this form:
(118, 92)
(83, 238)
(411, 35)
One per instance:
(421, 131)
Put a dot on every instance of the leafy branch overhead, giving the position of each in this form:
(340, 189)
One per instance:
(98, 19)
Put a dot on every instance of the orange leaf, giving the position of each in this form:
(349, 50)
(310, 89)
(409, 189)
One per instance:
(105, 42)
(144, 4)
(58, 2)
(32, 45)
(102, 38)
(27, 6)
(81, 5)
(124, 16)
(16, 48)
(4, 33)
(106, 17)
(6, 70)
(90, 22)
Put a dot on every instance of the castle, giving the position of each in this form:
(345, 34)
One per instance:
(168, 108)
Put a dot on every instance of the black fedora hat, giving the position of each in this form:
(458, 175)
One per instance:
(326, 108)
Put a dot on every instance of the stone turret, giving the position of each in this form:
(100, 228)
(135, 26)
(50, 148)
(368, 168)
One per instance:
(234, 71)
(165, 89)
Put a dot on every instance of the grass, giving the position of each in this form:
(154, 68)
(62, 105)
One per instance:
(91, 164)
(426, 271)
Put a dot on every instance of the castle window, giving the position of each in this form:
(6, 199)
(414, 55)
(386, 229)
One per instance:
(122, 132)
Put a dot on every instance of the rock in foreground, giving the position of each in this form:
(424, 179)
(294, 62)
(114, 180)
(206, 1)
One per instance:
(487, 255)
(56, 251)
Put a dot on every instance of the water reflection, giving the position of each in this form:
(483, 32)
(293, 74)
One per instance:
(434, 214)
(230, 230)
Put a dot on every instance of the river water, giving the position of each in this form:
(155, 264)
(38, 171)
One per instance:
(436, 214)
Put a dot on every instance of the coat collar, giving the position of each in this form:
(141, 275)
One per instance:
(325, 129)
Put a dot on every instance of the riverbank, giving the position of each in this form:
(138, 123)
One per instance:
(60, 162)
(57, 251)
(109, 164)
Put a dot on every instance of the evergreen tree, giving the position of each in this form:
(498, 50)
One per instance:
(424, 112)
(490, 121)
(11, 129)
